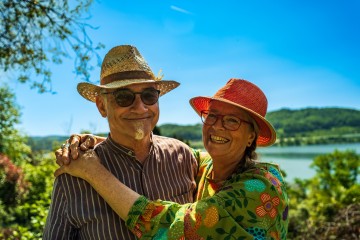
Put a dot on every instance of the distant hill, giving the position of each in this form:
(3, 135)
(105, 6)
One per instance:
(316, 125)
(187, 132)
(47, 143)
(293, 127)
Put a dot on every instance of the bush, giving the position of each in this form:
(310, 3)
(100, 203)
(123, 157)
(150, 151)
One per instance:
(327, 205)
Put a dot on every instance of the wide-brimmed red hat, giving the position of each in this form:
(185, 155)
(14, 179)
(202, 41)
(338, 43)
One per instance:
(247, 96)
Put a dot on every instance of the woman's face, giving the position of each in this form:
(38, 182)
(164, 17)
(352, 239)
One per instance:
(225, 144)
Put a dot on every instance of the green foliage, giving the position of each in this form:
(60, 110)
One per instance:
(12, 142)
(25, 178)
(36, 33)
(316, 125)
(47, 143)
(316, 204)
(26, 216)
(188, 132)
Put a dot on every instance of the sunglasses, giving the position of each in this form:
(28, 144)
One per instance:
(229, 122)
(125, 97)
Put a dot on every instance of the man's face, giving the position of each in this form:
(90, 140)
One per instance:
(134, 122)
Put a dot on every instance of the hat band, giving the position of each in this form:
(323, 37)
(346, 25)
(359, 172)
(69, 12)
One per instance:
(126, 75)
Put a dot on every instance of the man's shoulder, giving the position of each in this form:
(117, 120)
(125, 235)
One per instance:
(167, 142)
(164, 139)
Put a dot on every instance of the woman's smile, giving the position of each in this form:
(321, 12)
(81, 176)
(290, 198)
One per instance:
(218, 139)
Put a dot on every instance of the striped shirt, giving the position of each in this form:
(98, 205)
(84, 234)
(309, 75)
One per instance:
(78, 212)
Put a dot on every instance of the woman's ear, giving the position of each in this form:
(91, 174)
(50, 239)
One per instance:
(101, 105)
(251, 138)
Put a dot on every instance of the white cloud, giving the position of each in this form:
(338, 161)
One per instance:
(175, 8)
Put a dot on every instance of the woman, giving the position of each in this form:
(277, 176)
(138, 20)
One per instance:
(237, 196)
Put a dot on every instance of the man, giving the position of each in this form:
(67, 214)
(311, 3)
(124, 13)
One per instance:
(154, 166)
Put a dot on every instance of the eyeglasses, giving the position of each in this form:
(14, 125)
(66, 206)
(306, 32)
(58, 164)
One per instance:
(229, 122)
(125, 97)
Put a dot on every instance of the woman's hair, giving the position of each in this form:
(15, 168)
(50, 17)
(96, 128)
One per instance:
(250, 155)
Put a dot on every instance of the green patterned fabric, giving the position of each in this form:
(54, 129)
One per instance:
(250, 205)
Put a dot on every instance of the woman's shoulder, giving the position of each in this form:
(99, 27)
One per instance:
(262, 173)
(264, 168)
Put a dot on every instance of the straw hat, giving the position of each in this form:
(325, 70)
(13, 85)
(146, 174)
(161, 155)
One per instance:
(247, 96)
(123, 66)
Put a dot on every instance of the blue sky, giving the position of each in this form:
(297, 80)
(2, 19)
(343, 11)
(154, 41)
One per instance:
(301, 53)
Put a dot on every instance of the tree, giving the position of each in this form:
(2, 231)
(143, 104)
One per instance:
(26, 178)
(327, 206)
(34, 33)
(12, 142)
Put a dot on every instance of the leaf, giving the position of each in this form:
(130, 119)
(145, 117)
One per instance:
(246, 202)
(220, 231)
(231, 194)
(251, 214)
(238, 202)
(239, 218)
(242, 192)
(228, 203)
(227, 237)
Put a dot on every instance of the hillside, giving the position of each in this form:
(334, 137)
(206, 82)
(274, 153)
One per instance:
(316, 125)
(293, 127)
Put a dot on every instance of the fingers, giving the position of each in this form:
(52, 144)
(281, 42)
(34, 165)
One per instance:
(58, 155)
(62, 156)
(71, 148)
(74, 141)
(89, 143)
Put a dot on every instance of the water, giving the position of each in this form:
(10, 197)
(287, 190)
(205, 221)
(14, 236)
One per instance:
(296, 160)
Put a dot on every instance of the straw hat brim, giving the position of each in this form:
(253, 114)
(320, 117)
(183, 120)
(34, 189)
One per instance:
(266, 135)
(89, 91)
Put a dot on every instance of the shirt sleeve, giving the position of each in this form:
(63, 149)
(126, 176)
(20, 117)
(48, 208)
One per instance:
(253, 205)
(57, 224)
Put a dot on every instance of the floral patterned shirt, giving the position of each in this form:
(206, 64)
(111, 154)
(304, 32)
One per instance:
(252, 204)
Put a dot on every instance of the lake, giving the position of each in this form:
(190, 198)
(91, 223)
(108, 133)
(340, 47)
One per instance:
(296, 160)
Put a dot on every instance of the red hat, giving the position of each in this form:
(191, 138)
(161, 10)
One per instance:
(247, 96)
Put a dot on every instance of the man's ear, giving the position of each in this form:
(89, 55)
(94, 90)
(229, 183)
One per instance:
(101, 105)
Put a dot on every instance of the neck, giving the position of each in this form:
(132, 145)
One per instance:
(141, 147)
(222, 169)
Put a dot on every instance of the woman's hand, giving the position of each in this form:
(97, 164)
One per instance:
(76, 143)
(84, 167)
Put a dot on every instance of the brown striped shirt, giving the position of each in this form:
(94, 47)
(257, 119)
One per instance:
(78, 212)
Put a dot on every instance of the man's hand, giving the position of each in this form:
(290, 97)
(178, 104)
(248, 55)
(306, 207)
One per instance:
(70, 150)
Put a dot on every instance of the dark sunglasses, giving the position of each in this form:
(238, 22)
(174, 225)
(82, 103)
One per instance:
(125, 97)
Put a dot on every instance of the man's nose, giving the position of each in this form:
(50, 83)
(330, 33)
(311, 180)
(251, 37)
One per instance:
(138, 104)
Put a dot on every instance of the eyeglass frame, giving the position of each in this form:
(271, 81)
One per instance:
(203, 119)
(134, 94)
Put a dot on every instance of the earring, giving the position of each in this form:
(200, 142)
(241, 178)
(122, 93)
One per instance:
(249, 144)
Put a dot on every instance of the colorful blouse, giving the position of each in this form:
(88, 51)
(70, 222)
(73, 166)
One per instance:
(252, 204)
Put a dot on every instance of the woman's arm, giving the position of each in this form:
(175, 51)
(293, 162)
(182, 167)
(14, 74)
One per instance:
(252, 203)
(88, 167)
